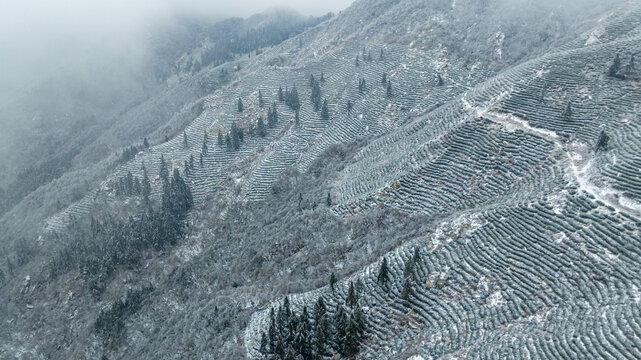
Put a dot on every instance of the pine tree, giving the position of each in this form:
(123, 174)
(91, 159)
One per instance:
(416, 258)
(321, 335)
(191, 162)
(380, 57)
(352, 297)
(205, 149)
(439, 80)
(185, 139)
(352, 341)
(325, 110)
(630, 66)
(383, 272)
(137, 187)
(332, 281)
(129, 183)
(322, 77)
(280, 94)
(567, 113)
(615, 68)
(349, 106)
(261, 102)
(384, 79)
(389, 89)
(221, 142)
(260, 128)
(263, 344)
(235, 137)
(341, 323)
(240, 105)
(297, 118)
(145, 142)
(146, 184)
(228, 142)
(602, 143)
(312, 81)
(357, 63)
(316, 95)
(163, 172)
(329, 199)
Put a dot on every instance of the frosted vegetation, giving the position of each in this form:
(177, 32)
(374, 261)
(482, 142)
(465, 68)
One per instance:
(404, 180)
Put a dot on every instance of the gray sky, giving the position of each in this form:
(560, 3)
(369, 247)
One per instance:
(39, 36)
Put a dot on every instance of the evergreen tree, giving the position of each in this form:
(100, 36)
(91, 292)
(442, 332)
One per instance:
(297, 118)
(228, 142)
(205, 149)
(221, 142)
(316, 95)
(146, 184)
(615, 68)
(341, 323)
(630, 66)
(349, 106)
(201, 159)
(260, 128)
(357, 63)
(567, 113)
(261, 102)
(280, 94)
(145, 142)
(389, 89)
(380, 57)
(321, 337)
(312, 81)
(322, 77)
(191, 162)
(129, 183)
(384, 79)
(235, 137)
(240, 105)
(352, 298)
(325, 110)
(263, 345)
(602, 143)
(332, 281)
(352, 340)
(439, 80)
(329, 200)
(137, 187)
(163, 172)
(383, 272)
(416, 258)
(185, 144)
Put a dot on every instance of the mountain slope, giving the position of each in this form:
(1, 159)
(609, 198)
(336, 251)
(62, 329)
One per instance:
(508, 232)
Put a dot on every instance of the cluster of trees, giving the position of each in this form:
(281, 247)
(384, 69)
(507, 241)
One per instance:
(97, 249)
(129, 153)
(409, 274)
(110, 323)
(316, 92)
(230, 42)
(128, 185)
(290, 97)
(317, 335)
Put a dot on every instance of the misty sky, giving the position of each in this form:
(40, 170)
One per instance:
(39, 36)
